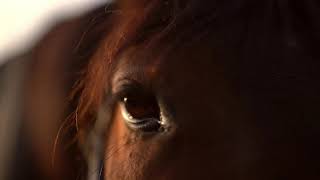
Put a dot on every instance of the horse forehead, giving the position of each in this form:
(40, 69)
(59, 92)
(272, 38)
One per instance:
(195, 65)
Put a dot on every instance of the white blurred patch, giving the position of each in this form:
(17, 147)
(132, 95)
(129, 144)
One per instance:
(23, 21)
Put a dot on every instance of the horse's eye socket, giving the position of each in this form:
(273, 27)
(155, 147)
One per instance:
(141, 112)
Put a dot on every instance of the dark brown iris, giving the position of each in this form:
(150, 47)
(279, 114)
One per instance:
(142, 112)
(142, 106)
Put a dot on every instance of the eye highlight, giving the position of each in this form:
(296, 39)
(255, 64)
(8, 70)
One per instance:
(140, 111)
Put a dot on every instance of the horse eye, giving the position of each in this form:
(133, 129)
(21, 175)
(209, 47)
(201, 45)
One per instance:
(141, 112)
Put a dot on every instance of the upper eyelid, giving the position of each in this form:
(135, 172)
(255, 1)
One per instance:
(129, 81)
(126, 82)
(125, 86)
(132, 75)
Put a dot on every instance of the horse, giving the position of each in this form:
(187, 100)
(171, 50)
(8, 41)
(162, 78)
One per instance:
(184, 90)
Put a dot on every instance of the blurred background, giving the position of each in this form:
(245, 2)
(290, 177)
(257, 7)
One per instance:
(23, 25)
(23, 22)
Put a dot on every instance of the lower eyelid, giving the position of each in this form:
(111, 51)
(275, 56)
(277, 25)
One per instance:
(139, 124)
(130, 118)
